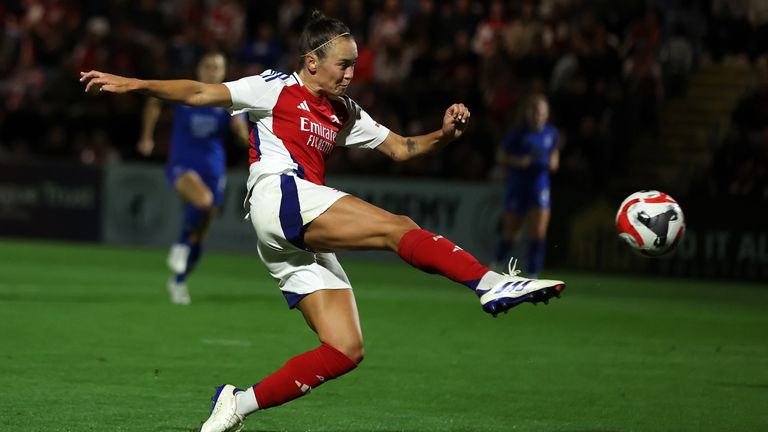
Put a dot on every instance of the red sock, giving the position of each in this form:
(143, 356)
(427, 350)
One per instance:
(435, 254)
(301, 374)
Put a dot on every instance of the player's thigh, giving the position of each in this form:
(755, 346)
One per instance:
(353, 224)
(332, 314)
(193, 189)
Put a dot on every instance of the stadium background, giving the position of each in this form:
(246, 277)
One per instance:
(668, 95)
(665, 94)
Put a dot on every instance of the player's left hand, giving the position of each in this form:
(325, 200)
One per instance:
(455, 120)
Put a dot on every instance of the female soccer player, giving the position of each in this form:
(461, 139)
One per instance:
(530, 152)
(196, 167)
(297, 120)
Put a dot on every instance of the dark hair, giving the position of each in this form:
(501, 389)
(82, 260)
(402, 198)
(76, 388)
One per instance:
(318, 31)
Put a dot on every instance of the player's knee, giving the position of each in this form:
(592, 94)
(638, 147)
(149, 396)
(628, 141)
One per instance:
(352, 348)
(403, 224)
(204, 201)
(398, 226)
(356, 354)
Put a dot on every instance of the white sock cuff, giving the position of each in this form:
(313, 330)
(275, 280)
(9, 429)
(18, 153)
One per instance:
(246, 402)
(488, 280)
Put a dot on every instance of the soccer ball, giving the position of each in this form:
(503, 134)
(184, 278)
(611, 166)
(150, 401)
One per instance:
(651, 222)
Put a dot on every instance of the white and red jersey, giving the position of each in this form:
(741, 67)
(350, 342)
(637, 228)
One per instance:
(293, 130)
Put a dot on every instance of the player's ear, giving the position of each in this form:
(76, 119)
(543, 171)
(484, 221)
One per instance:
(311, 62)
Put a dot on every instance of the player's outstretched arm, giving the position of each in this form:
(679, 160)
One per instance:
(188, 92)
(402, 148)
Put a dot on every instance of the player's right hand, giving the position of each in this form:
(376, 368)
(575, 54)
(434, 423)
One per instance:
(145, 146)
(101, 81)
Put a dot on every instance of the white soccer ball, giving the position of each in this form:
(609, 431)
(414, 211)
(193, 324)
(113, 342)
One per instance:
(651, 222)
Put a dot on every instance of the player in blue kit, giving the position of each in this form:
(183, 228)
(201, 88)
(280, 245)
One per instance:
(529, 152)
(196, 168)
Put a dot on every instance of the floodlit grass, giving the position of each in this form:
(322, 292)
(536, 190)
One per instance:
(89, 342)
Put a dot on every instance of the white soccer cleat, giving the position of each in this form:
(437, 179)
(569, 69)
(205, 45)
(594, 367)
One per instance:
(178, 292)
(177, 258)
(513, 290)
(224, 416)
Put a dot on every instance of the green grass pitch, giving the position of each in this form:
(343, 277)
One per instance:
(89, 342)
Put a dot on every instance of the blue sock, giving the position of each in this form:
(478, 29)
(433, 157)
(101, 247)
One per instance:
(536, 250)
(194, 218)
(195, 252)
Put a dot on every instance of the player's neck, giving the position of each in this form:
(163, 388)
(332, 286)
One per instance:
(307, 81)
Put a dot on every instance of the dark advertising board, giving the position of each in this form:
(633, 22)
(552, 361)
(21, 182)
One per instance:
(725, 238)
(59, 201)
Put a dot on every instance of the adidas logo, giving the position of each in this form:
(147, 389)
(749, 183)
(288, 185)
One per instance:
(303, 387)
(303, 106)
(335, 119)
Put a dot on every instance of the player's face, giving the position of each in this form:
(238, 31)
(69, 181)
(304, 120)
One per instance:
(211, 69)
(335, 71)
(538, 114)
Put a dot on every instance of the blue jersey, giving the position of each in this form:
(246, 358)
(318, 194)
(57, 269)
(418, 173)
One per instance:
(529, 187)
(199, 136)
(538, 145)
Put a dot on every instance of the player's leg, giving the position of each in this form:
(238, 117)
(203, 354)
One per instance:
(511, 222)
(194, 190)
(190, 242)
(353, 224)
(538, 221)
(332, 314)
(199, 198)
(202, 195)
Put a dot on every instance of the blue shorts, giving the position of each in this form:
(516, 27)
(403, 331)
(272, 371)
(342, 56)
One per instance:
(519, 197)
(216, 183)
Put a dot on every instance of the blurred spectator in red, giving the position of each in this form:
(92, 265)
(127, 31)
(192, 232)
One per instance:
(387, 22)
(490, 29)
(225, 24)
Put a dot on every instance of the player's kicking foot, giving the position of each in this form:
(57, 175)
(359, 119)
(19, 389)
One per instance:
(177, 258)
(224, 416)
(178, 292)
(512, 290)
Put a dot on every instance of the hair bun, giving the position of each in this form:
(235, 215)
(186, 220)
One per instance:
(316, 15)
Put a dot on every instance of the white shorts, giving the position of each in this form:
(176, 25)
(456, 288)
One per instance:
(281, 206)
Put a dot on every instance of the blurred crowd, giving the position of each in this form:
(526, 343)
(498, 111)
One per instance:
(740, 166)
(606, 66)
